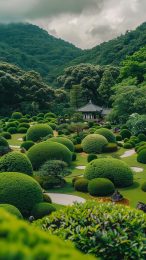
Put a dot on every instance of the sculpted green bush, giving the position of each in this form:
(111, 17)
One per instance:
(110, 148)
(141, 157)
(36, 132)
(91, 157)
(65, 141)
(108, 134)
(113, 169)
(94, 143)
(125, 133)
(42, 209)
(101, 187)
(12, 210)
(27, 144)
(81, 184)
(6, 135)
(16, 115)
(15, 162)
(102, 229)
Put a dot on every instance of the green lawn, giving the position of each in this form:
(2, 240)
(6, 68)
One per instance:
(14, 140)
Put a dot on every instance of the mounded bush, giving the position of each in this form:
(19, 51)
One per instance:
(19, 240)
(20, 190)
(27, 144)
(128, 145)
(94, 143)
(46, 198)
(6, 135)
(42, 209)
(65, 141)
(15, 162)
(78, 148)
(3, 142)
(142, 137)
(50, 115)
(103, 229)
(118, 138)
(143, 186)
(125, 133)
(74, 157)
(12, 130)
(16, 115)
(12, 210)
(140, 148)
(44, 151)
(110, 147)
(91, 157)
(53, 126)
(22, 130)
(101, 187)
(141, 157)
(36, 132)
(113, 169)
(25, 125)
(81, 184)
(108, 134)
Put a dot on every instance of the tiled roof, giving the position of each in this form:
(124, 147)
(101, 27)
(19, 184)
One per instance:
(90, 107)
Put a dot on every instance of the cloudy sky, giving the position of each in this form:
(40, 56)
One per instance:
(85, 23)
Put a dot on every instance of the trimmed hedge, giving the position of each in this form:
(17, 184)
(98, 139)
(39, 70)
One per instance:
(3, 142)
(91, 157)
(103, 229)
(22, 130)
(16, 162)
(21, 241)
(42, 209)
(12, 130)
(110, 148)
(142, 137)
(101, 187)
(118, 138)
(6, 135)
(12, 210)
(44, 151)
(78, 148)
(108, 134)
(94, 143)
(16, 115)
(27, 144)
(20, 190)
(125, 133)
(65, 141)
(141, 157)
(81, 184)
(36, 132)
(113, 169)
(128, 145)
(143, 186)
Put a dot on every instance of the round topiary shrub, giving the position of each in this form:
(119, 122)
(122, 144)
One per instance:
(20, 190)
(53, 126)
(128, 145)
(110, 148)
(50, 115)
(141, 157)
(101, 187)
(3, 142)
(94, 143)
(142, 137)
(91, 157)
(25, 125)
(78, 148)
(15, 162)
(36, 132)
(6, 135)
(143, 186)
(65, 141)
(118, 138)
(113, 169)
(107, 134)
(12, 130)
(16, 115)
(44, 151)
(81, 184)
(27, 144)
(125, 133)
(12, 210)
(22, 130)
(42, 209)
(46, 198)
(74, 157)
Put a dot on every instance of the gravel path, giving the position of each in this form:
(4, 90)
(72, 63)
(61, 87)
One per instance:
(81, 167)
(137, 169)
(65, 199)
(128, 153)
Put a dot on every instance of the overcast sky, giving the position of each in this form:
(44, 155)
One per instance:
(85, 23)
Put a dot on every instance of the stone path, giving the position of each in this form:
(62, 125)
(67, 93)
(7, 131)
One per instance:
(81, 167)
(15, 146)
(137, 169)
(128, 153)
(65, 199)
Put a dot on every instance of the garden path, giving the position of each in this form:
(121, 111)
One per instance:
(65, 199)
(128, 153)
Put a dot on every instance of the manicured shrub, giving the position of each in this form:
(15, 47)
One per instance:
(94, 143)
(52, 182)
(50, 115)
(101, 187)
(20, 190)
(42, 209)
(46, 198)
(143, 186)
(128, 145)
(16, 115)
(78, 148)
(12, 124)
(15, 162)
(53, 168)
(81, 185)
(12, 210)
(27, 144)
(126, 140)
(107, 134)
(118, 138)
(44, 151)
(25, 125)
(142, 137)
(24, 120)
(141, 157)
(3, 142)
(110, 147)
(40, 115)
(103, 229)
(22, 130)
(91, 157)
(74, 157)
(53, 126)
(74, 179)
(12, 130)
(6, 135)
(36, 132)
(125, 133)
(113, 169)
(65, 141)
(19, 240)
(119, 144)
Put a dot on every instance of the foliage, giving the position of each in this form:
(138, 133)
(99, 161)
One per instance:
(20, 190)
(118, 138)
(65, 141)
(36, 132)
(78, 148)
(16, 115)
(53, 168)
(3, 142)
(6, 135)
(137, 123)
(114, 169)
(143, 186)
(101, 187)
(15, 162)
(27, 145)
(44, 151)
(107, 134)
(12, 210)
(128, 145)
(46, 198)
(12, 130)
(22, 130)
(110, 147)
(142, 137)
(103, 229)
(91, 157)
(94, 143)
(42, 209)
(81, 184)
(141, 157)
(125, 133)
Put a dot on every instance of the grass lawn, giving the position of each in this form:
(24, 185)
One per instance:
(15, 139)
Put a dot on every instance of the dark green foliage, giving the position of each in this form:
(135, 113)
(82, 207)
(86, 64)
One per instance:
(125, 133)
(65, 141)
(101, 187)
(27, 144)
(107, 134)
(141, 157)
(81, 184)
(52, 182)
(118, 138)
(78, 148)
(36, 132)
(26, 125)
(22, 130)
(6, 135)
(44, 151)
(74, 179)
(20, 190)
(12, 130)
(16, 115)
(46, 198)
(74, 157)
(142, 137)
(53, 168)
(94, 143)
(143, 186)
(12, 210)
(53, 126)
(115, 170)
(91, 157)
(96, 228)
(110, 147)
(15, 162)
(42, 209)
(3, 142)
(128, 145)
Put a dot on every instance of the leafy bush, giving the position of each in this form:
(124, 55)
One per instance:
(74, 157)
(107, 134)
(91, 157)
(15, 162)
(94, 143)
(103, 229)
(36, 132)
(51, 182)
(53, 126)
(3, 142)
(118, 138)
(110, 147)
(65, 141)
(20, 190)
(81, 184)
(46, 198)
(6, 135)
(42, 209)
(113, 169)
(143, 186)
(44, 151)
(27, 144)
(78, 148)
(74, 179)
(25, 125)
(16, 115)
(22, 130)
(19, 240)
(23, 120)
(12, 130)
(142, 137)
(12, 210)
(128, 145)
(50, 115)
(141, 157)
(53, 168)
(101, 187)
(125, 133)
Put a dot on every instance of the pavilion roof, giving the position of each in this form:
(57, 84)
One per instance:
(90, 107)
